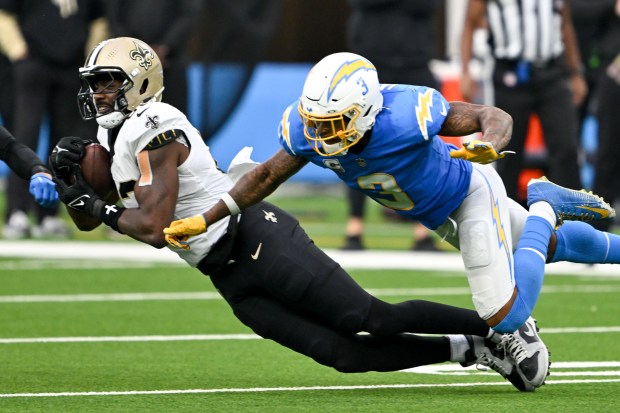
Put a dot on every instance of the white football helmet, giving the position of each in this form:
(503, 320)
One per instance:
(127, 59)
(339, 103)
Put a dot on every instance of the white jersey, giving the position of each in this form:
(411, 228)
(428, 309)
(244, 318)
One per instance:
(201, 183)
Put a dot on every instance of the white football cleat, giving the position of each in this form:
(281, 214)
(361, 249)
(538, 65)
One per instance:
(484, 352)
(530, 354)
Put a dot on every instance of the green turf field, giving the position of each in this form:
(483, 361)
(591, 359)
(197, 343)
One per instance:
(157, 338)
(89, 336)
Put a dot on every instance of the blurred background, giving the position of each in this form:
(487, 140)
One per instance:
(233, 66)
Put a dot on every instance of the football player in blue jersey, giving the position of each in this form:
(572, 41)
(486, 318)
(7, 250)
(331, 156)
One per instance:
(383, 140)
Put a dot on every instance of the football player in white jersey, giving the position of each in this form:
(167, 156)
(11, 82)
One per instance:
(261, 261)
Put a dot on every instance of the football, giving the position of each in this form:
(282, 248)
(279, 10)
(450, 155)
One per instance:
(96, 170)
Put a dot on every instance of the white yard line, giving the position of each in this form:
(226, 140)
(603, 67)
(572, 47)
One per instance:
(218, 337)
(292, 389)
(369, 259)
(206, 295)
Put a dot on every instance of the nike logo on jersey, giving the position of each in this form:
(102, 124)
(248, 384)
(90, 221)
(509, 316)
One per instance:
(443, 111)
(255, 255)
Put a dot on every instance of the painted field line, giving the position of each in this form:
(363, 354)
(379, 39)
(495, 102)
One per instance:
(209, 337)
(368, 259)
(292, 389)
(206, 295)
(120, 339)
(69, 298)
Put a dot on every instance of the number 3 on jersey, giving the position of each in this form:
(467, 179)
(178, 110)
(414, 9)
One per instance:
(397, 198)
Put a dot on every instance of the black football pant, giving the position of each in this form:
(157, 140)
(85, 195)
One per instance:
(286, 289)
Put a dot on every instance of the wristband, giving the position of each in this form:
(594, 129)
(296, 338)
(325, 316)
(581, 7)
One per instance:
(108, 213)
(231, 204)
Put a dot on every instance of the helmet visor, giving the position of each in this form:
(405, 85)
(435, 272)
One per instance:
(330, 134)
(101, 81)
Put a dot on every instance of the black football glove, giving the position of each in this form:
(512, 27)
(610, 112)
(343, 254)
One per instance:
(67, 154)
(79, 195)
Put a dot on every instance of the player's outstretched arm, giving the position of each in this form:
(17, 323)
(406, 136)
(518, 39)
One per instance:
(252, 188)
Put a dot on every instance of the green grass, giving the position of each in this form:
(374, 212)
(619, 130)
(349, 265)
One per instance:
(209, 365)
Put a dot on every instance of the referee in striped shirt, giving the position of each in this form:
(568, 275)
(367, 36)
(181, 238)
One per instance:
(538, 70)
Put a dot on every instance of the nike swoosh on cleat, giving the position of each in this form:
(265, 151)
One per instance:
(604, 213)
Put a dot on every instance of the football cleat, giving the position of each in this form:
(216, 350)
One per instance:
(530, 354)
(569, 204)
(485, 353)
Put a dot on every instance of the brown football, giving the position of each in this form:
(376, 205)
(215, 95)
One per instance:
(96, 170)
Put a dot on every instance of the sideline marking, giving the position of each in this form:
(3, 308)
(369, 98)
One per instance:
(371, 259)
(291, 389)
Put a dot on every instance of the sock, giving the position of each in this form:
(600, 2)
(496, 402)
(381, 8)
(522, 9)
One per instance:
(580, 242)
(530, 257)
(543, 209)
(493, 336)
(518, 314)
(458, 347)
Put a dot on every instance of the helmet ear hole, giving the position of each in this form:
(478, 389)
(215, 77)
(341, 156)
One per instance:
(145, 85)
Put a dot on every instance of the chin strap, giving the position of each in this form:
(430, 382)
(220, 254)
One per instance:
(111, 120)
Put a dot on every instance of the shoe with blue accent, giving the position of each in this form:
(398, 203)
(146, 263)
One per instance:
(569, 204)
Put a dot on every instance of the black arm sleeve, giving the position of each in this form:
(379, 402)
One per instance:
(20, 158)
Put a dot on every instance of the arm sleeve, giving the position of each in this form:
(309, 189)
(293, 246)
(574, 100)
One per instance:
(20, 158)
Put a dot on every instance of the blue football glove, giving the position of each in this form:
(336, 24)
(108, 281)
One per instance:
(43, 189)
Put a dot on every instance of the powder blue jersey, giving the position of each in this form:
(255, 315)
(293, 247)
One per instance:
(405, 165)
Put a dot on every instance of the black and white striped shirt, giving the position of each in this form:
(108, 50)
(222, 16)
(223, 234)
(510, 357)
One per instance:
(528, 30)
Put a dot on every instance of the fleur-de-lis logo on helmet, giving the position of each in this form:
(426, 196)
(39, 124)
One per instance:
(143, 55)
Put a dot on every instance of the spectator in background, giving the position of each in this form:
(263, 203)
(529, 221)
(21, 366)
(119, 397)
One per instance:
(608, 95)
(167, 26)
(537, 70)
(398, 36)
(46, 41)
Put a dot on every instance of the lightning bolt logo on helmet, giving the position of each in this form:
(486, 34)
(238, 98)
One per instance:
(346, 71)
